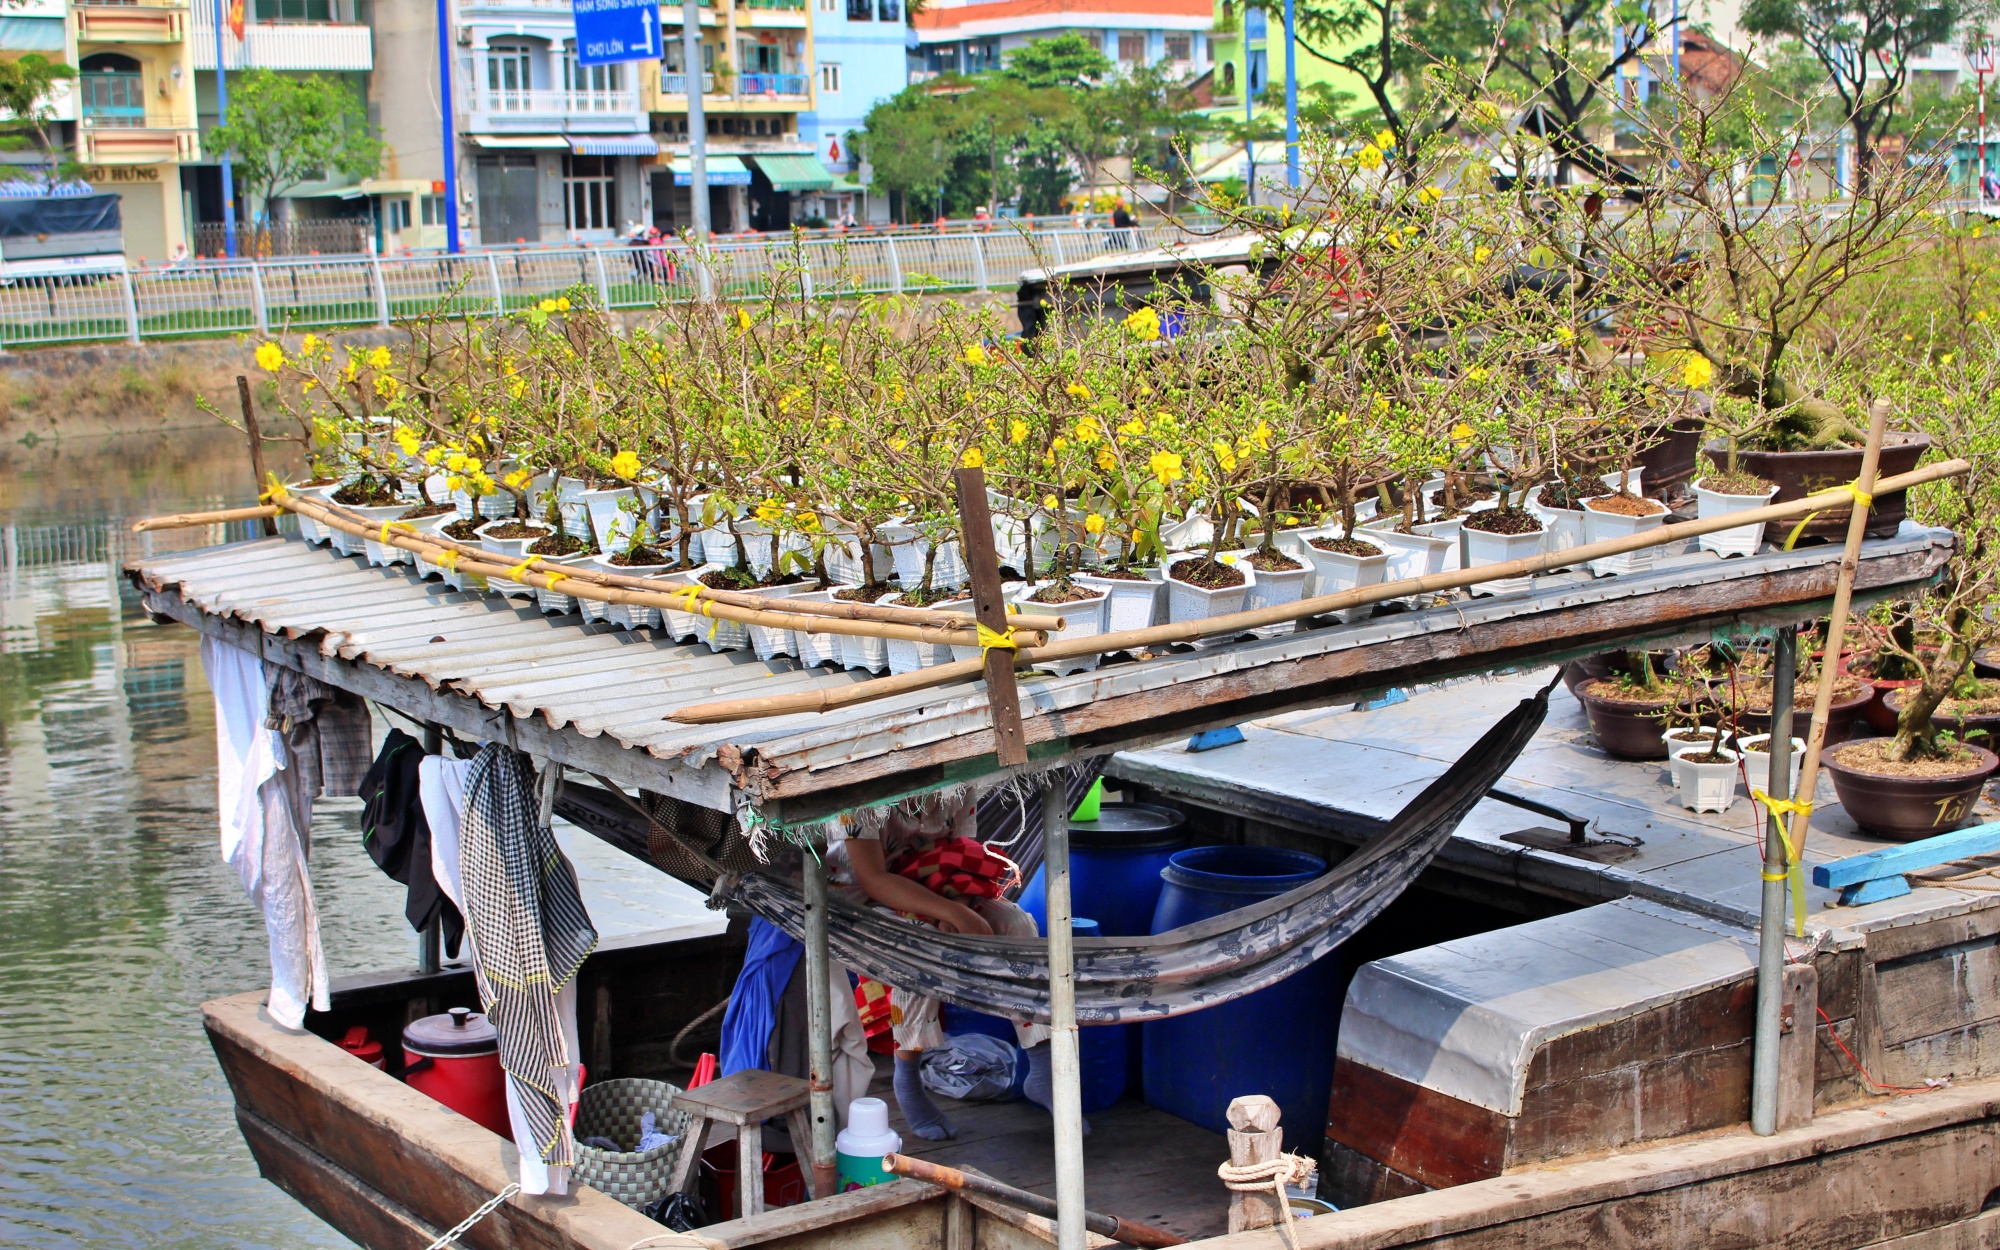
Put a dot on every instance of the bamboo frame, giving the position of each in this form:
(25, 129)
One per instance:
(1243, 622)
(186, 520)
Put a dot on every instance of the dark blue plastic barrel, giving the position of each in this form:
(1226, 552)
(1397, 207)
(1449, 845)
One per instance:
(1114, 867)
(1103, 1049)
(1278, 1041)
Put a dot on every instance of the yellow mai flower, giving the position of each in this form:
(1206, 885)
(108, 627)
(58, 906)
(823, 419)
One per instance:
(1482, 253)
(1462, 433)
(1982, 315)
(1078, 389)
(1133, 428)
(1565, 335)
(1385, 139)
(972, 459)
(974, 354)
(1369, 157)
(519, 479)
(407, 439)
(1093, 524)
(1166, 466)
(1262, 436)
(1144, 324)
(547, 305)
(308, 384)
(1017, 432)
(1429, 195)
(625, 464)
(1059, 443)
(898, 443)
(433, 456)
(1088, 430)
(1697, 372)
(387, 386)
(1225, 455)
(1475, 374)
(309, 344)
(1051, 502)
(769, 511)
(562, 303)
(742, 320)
(379, 358)
(270, 357)
(1106, 460)
(516, 388)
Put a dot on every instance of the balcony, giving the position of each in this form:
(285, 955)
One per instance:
(122, 140)
(772, 14)
(772, 85)
(285, 45)
(554, 111)
(158, 21)
(676, 84)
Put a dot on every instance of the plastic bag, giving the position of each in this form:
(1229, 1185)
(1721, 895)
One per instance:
(973, 1067)
(680, 1212)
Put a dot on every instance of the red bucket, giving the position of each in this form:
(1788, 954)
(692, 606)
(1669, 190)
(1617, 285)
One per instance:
(784, 1183)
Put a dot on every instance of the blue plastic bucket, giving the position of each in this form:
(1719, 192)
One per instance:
(1114, 867)
(1278, 1041)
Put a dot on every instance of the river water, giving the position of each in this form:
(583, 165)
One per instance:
(116, 917)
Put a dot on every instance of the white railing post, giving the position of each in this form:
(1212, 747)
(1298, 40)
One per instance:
(258, 308)
(131, 306)
(493, 281)
(895, 266)
(1055, 237)
(603, 280)
(381, 292)
(979, 262)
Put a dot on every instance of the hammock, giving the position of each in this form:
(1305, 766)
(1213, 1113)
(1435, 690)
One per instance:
(1200, 965)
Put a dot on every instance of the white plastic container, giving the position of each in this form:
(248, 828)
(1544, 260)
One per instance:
(859, 1149)
(1757, 761)
(1480, 547)
(1602, 526)
(1128, 604)
(1744, 539)
(1705, 787)
(1187, 602)
(1274, 588)
(1085, 616)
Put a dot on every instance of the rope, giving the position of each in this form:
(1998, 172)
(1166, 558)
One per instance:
(514, 573)
(1795, 871)
(383, 537)
(990, 640)
(274, 490)
(1929, 1084)
(486, 1208)
(1256, 1178)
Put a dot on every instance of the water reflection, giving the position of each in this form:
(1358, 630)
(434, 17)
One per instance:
(116, 918)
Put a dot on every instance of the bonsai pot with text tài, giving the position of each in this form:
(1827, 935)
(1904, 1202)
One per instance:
(1905, 802)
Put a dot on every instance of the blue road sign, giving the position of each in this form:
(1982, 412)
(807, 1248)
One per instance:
(609, 31)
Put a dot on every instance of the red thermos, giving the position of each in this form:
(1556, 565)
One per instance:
(455, 1058)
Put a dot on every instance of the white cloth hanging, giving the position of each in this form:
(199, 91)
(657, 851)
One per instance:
(266, 821)
(441, 782)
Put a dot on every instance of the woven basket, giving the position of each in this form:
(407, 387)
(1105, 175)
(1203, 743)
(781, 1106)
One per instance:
(612, 1109)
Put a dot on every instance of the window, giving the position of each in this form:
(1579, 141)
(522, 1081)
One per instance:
(588, 200)
(396, 214)
(591, 87)
(762, 58)
(860, 10)
(829, 78)
(294, 10)
(889, 11)
(1132, 46)
(434, 210)
(112, 91)
(1180, 47)
(509, 73)
(829, 6)
(1229, 78)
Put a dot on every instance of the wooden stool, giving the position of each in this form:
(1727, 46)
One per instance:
(745, 1099)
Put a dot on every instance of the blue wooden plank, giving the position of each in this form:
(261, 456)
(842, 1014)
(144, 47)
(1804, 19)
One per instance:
(1209, 739)
(1909, 857)
(1875, 891)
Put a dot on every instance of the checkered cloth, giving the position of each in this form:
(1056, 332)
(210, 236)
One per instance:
(871, 1000)
(327, 731)
(530, 932)
(959, 868)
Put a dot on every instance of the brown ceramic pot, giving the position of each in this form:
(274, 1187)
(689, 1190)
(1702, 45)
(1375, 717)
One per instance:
(1841, 718)
(1668, 456)
(1986, 663)
(1908, 808)
(1626, 731)
(1961, 726)
(1802, 473)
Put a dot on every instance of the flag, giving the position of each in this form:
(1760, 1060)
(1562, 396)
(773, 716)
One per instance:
(236, 19)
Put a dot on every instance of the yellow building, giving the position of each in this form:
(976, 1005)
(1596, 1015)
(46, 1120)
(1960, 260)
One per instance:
(135, 113)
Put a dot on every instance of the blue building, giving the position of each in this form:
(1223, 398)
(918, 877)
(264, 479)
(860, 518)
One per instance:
(862, 61)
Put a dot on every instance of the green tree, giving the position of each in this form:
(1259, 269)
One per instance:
(1066, 60)
(1864, 47)
(283, 131)
(911, 143)
(25, 85)
(1563, 54)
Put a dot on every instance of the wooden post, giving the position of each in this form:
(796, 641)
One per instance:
(1063, 1054)
(975, 539)
(1254, 1137)
(819, 1032)
(256, 446)
(1797, 1046)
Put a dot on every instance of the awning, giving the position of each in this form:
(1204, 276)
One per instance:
(615, 145)
(795, 173)
(332, 193)
(521, 141)
(31, 34)
(723, 171)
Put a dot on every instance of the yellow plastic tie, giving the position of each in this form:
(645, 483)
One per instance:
(1795, 871)
(554, 576)
(274, 490)
(693, 593)
(992, 641)
(394, 525)
(1862, 499)
(514, 574)
(447, 560)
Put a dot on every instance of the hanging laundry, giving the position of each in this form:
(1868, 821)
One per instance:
(265, 810)
(327, 730)
(398, 838)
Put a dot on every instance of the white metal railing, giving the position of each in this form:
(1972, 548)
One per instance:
(553, 101)
(326, 292)
(285, 45)
(674, 82)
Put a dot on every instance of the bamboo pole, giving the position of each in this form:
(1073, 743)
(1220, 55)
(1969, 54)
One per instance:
(1243, 622)
(187, 520)
(1130, 1232)
(256, 439)
(1836, 634)
(485, 564)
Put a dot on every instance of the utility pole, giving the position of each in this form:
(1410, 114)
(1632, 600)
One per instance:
(1980, 56)
(222, 115)
(1291, 96)
(452, 243)
(697, 120)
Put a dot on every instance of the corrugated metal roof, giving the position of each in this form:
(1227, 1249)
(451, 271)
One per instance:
(593, 680)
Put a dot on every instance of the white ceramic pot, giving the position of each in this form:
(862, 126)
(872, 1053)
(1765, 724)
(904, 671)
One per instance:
(313, 531)
(842, 556)
(378, 553)
(1705, 787)
(430, 527)
(1335, 571)
(908, 547)
(1480, 548)
(768, 641)
(685, 626)
(510, 551)
(611, 523)
(555, 602)
(719, 635)
(1194, 530)
(907, 656)
(1688, 737)
(1128, 603)
(1084, 619)
(1193, 603)
(1008, 590)
(573, 508)
(623, 615)
(1757, 761)
(1744, 539)
(817, 648)
(868, 654)
(1602, 526)
(1562, 528)
(491, 507)
(1274, 588)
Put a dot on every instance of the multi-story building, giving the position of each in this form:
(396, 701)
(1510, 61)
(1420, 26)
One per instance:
(40, 26)
(135, 113)
(863, 60)
(967, 36)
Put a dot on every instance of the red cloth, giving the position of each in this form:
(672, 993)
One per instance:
(959, 868)
(871, 999)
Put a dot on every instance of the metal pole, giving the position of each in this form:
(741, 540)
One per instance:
(222, 115)
(697, 120)
(449, 127)
(1771, 920)
(819, 1031)
(1291, 96)
(1068, 1069)
(1249, 118)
